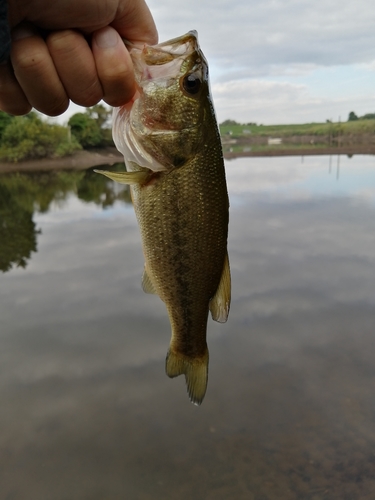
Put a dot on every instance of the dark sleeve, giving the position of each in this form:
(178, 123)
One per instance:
(4, 32)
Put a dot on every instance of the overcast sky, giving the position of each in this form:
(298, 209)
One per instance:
(281, 61)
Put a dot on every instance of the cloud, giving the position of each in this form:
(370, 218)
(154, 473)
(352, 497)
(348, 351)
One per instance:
(280, 61)
(248, 34)
(86, 407)
(264, 101)
(256, 100)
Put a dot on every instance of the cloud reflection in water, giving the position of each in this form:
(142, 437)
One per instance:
(87, 411)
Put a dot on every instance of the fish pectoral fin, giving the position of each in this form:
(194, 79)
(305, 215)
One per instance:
(195, 371)
(220, 302)
(139, 177)
(147, 285)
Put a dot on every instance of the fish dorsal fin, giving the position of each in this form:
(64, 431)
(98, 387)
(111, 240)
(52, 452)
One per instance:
(139, 177)
(147, 284)
(220, 302)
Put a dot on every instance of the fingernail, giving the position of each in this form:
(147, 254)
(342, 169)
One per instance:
(22, 32)
(106, 38)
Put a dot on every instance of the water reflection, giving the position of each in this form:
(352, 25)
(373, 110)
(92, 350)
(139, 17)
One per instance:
(87, 411)
(23, 194)
(18, 232)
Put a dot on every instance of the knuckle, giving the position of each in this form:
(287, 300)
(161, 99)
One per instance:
(63, 42)
(16, 109)
(87, 100)
(87, 95)
(55, 108)
(119, 98)
(29, 62)
(117, 73)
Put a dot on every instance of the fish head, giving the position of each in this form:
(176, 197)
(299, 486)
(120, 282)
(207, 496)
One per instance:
(167, 121)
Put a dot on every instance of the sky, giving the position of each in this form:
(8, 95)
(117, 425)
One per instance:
(281, 61)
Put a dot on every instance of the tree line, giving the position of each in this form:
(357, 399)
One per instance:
(32, 137)
(353, 117)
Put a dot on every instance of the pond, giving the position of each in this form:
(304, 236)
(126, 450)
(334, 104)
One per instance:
(87, 411)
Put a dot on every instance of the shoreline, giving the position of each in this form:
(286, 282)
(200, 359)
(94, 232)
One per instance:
(312, 151)
(83, 160)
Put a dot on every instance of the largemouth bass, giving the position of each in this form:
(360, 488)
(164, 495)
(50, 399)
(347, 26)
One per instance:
(171, 144)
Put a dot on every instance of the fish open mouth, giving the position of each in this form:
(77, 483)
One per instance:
(163, 61)
(158, 67)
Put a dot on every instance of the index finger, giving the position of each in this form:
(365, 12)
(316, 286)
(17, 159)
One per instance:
(135, 22)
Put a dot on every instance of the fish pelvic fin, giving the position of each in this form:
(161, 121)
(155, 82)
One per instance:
(147, 284)
(139, 177)
(195, 371)
(220, 303)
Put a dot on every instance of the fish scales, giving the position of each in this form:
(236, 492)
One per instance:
(181, 219)
(172, 150)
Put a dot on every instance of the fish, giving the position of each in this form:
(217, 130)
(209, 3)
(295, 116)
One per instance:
(171, 144)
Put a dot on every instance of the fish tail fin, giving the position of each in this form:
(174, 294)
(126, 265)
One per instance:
(195, 371)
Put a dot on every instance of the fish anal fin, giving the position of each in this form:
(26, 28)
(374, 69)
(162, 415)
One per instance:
(147, 285)
(138, 177)
(220, 302)
(195, 371)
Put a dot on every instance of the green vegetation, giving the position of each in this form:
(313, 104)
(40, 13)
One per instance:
(359, 126)
(352, 117)
(357, 130)
(239, 130)
(30, 137)
(90, 128)
(22, 194)
(18, 233)
(5, 120)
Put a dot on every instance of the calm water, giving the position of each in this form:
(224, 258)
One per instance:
(86, 409)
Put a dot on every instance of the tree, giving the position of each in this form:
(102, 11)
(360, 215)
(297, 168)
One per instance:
(28, 137)
(86, 130)
(5, 120)
(230, 122)
(352, 117)
(368, 116)
(99, 113)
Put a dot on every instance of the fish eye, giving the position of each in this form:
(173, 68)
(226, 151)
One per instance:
(191, 84)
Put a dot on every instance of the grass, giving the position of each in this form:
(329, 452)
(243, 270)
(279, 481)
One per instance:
(357, 127)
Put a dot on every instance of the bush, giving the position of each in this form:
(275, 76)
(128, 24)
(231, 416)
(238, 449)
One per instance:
(5, 120)
(368, 116)
(67, 147)
(86, 130)
(28, 137)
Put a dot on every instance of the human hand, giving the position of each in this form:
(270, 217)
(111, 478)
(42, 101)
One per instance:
(71, 50)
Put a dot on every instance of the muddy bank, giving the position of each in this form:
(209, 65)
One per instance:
(78, 161)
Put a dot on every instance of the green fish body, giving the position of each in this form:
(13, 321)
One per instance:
(172, 149)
